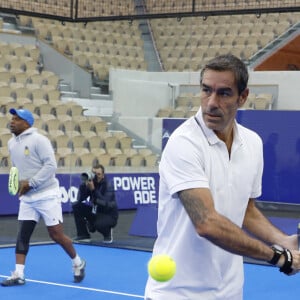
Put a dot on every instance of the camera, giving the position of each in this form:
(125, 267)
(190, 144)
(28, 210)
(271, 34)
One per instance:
(86, 176)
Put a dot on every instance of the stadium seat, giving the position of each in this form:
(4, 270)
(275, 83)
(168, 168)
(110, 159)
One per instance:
(7, 91)
(59, 141)
(36, 79)
(94, 142)
(5, 162)
(189, 114)
(183, 100)
(99, 127)
(4, 121)
(46, 109)
(262, 103)
(84, 126)
(88, 134)
(39, 94)
(74, 108)
(47, 117)
(22, 101)
(60, 108)
(81, 151)
(52, 80)
(125, 142)
(78, 141)
(150, 160)
(88, 159)
(104, 159)
(164, 112)
(71, 160)
(130, 152)
(97, 151)
(136, 160)
(113, 151)
(52, 125)
(119, 134)
(178, 112)
(63, 151)
(53, 95)
(94, 119)
(120, 160)
(145, 151)
(4, 137)
(110, 142)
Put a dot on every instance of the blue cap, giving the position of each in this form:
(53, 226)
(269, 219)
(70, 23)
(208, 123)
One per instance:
(24, 114)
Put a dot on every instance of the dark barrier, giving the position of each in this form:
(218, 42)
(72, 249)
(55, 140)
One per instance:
(132, 190)
(85, 11)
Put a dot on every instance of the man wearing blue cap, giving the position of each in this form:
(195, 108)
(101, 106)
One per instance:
(39, 194)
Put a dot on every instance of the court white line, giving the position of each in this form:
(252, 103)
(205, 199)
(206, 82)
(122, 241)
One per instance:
(82, 288)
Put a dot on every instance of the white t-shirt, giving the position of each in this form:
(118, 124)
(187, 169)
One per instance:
(194, 157)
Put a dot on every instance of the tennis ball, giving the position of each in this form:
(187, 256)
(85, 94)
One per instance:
(161, 267)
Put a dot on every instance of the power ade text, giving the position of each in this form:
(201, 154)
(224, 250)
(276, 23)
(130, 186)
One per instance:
(143, 188)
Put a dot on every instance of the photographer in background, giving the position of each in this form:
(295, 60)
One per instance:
(96, 207)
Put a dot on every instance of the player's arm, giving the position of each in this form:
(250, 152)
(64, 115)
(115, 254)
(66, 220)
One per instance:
(220, 230)
(259, 226)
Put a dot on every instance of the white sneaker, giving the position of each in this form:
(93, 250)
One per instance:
(79, 271)
(109, 239)
(14, 279)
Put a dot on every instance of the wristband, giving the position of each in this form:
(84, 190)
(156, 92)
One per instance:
(278, 251)
(288, 261)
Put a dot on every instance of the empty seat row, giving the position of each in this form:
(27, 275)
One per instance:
(40, 79)
(74, 139)
(82, 157)
(122, 160)
(261, 101)
(19, 50)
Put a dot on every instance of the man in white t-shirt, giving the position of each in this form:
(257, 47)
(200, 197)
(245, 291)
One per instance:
(210, 174)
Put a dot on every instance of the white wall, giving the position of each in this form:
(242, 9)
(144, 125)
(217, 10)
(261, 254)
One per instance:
(141, 93)
(149, 129)
(287, 82)
(138, 95)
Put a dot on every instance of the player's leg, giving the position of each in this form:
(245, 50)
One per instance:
(28, 219)
(26, 228)
(104, 224)
(82, 213)
(51, 212)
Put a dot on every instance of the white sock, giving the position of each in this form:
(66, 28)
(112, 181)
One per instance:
(76, 260)
(20, 270)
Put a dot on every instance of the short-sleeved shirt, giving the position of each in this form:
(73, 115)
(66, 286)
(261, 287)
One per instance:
(195, 157)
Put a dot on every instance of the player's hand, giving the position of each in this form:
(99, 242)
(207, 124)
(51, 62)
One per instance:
(290, 242)
(296, 261)
(24, 187)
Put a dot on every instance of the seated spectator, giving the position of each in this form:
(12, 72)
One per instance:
(96, 208)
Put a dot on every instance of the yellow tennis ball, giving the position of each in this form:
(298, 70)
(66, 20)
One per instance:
(161, 267)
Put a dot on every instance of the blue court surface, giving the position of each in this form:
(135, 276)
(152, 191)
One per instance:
(113, 273)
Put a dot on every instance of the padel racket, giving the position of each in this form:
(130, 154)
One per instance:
(13, 181)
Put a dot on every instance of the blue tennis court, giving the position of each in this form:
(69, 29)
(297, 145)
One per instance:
(113, 273)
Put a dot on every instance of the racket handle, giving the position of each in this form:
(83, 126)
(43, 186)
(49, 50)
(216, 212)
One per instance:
(298, 233)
